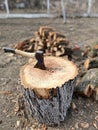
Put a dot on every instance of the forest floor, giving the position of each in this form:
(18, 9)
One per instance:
(80, 31)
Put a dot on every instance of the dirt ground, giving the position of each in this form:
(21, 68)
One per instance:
(80, 31)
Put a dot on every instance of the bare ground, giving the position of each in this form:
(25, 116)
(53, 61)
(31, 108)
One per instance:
(81, 31)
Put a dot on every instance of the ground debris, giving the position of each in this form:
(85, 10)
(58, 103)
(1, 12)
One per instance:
(18, 123)
(4, 81)
(95, 93)
(5, 92)
(95, 124)
(44, 127)
(84, 125)
(37, 126)
(0, 121)
(76, 125)
(73, 105)
(96, 118)
(19, 104)
(7, 60)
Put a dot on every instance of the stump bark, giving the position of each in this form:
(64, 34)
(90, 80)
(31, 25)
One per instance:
(48, 91)
(50, 111)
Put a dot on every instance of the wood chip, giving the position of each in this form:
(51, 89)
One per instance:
(18, 123)
(85, 53)
(5, 111)
(76, 125)
(74, 107)
(96, 118)
(33, 127)
(44, 127)
(96, 46)
(84, 125)
(89, 90)
(95, 93)
(95, 124)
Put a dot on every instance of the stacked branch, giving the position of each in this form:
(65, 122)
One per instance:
(48, 40)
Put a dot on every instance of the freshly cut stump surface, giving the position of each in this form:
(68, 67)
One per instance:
(48, 92)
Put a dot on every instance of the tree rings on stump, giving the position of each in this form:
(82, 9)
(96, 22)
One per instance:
(49, 92)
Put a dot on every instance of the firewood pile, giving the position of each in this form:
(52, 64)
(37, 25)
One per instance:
(48, 40)
(88, 80)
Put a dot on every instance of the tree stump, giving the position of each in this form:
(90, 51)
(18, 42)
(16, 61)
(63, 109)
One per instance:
(48, 87)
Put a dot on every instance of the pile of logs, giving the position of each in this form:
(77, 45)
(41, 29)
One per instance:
(88, 84)
(48, 40)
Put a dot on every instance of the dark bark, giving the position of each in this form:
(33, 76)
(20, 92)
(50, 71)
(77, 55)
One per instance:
(88, 83)
(50, 111)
